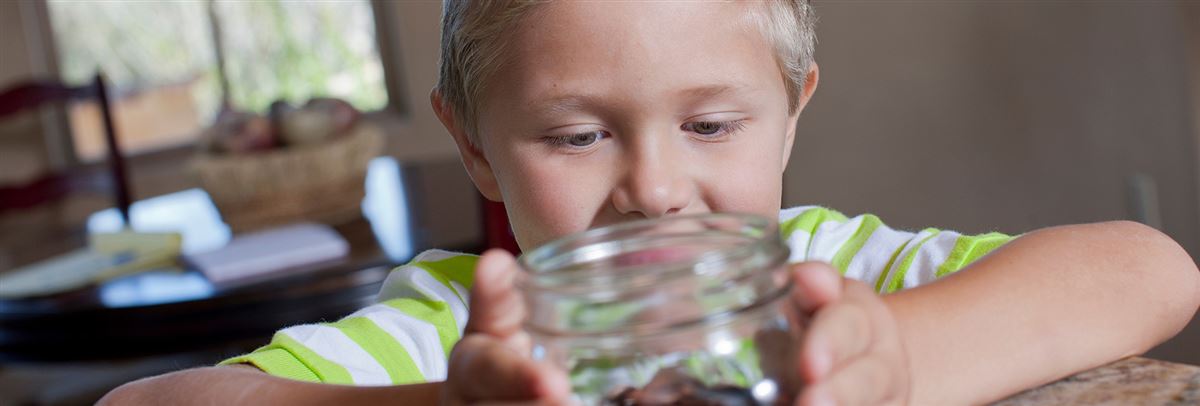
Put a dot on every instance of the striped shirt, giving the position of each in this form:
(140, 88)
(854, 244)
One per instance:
(407, 336)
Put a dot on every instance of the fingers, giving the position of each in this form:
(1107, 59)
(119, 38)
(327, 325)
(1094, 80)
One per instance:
(496, 308)
(483, 368)
(863, 381)
(491, 363)
(838, 332)
(851, 353)
(815, 284)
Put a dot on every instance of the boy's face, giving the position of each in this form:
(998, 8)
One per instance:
(606, 112)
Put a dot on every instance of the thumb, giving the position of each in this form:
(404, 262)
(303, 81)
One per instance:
(815, 284)
(496, 309)
(482, 369)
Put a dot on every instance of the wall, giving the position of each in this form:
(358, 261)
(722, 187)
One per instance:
(414, 34)
(1004, 116)
(22, 153)
(414, 31)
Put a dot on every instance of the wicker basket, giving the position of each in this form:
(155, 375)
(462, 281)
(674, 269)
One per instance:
(323, 183)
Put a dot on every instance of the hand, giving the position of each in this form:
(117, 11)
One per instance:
(491, 363)
(851, 353)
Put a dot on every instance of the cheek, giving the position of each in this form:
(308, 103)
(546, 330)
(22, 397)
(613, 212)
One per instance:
(546, 201)
(745, 180)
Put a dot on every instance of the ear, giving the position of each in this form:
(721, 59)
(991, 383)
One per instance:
(472, 156)
(810, 86)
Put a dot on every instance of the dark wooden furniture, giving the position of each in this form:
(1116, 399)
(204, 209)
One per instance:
(34, 94)
(161, 313)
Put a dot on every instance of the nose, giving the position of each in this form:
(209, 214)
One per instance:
(655, 182)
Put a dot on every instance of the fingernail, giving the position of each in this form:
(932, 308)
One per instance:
(490, 264)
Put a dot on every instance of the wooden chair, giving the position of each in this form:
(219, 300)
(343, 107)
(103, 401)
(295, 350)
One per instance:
(54, 186)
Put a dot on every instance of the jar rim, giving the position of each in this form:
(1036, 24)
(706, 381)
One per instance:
(766, 228)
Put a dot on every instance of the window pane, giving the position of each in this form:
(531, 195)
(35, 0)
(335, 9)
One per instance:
(159, 60)
(297, 50)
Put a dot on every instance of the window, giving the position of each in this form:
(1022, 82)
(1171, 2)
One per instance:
(174, 65)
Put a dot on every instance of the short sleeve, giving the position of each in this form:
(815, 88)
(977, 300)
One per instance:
(865, 249)
(404, 338)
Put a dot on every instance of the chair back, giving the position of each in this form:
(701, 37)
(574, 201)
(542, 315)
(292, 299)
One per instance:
(34, 94)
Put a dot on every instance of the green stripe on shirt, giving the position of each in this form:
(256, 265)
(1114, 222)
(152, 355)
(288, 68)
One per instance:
(276, 361)
(383, 348)
(809, 220)
(898, 279)
(969, 248)
(841, 260)
(460, 269)
(433, 312)
(319, 368)
(884, 274)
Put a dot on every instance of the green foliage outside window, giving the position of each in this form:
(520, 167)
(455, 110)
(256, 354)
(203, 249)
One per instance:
(272, 49)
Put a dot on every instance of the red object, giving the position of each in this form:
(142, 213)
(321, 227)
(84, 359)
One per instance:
(53, 186)
(497, 231)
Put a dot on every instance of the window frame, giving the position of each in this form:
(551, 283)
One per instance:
(162, 170)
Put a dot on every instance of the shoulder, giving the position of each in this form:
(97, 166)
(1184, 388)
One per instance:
(816, 233)
(433, 274)
(806, 219)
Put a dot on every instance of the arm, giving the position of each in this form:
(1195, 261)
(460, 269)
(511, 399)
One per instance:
(1046, 305)
(244, 384)
(488, 364)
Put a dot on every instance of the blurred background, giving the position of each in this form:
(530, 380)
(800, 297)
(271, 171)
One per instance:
(969, 115)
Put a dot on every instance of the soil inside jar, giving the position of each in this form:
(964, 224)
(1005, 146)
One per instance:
(674, 387)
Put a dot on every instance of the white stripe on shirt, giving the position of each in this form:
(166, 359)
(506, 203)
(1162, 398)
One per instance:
(830, 237)
(466, 296)
(899, 259)
(432, 288)
(929, 257)
(415, 282)
(333, 345)
(868, 264)
(798, 240)
(418, 337)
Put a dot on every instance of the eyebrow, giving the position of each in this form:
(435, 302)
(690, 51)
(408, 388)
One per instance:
(704, 92)
(572, 103)
(564, 104)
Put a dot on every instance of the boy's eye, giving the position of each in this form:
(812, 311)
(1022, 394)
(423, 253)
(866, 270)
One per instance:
(712, 129)
(706, 127)
(581, 140)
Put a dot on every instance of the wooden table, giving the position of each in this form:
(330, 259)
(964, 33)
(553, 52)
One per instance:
(1132, 381)
(163, 313)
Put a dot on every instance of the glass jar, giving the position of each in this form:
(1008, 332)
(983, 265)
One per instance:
(680, 310)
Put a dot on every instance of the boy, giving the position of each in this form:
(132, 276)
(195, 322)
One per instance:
(582, 114)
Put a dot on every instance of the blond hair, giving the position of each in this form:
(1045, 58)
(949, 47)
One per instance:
(473, 41)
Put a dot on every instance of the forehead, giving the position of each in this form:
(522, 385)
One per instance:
(571, 50)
